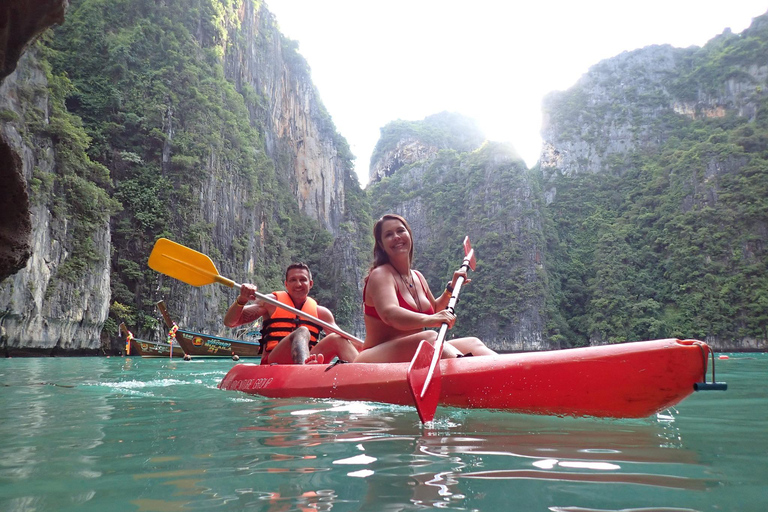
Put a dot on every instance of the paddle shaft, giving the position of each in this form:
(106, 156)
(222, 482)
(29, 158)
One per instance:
(197, 269)
(444, 327)
(297, 312)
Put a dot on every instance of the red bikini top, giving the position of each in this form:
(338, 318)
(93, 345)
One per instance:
(371, 310)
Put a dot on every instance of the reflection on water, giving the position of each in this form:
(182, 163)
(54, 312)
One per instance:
(154, 435)
(398, 459)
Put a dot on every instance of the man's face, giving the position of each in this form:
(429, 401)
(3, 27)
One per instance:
(298, 284)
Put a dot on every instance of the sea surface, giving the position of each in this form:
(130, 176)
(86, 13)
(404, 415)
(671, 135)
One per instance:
(156, 435)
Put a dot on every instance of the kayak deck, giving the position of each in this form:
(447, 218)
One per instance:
(628, 380)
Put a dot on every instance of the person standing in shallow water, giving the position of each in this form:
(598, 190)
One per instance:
(398, 303)
(287, 338)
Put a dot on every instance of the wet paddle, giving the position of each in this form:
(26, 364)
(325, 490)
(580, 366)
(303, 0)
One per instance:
(424, 371)
(197, 269)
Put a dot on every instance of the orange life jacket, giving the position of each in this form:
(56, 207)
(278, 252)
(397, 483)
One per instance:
(283, 322)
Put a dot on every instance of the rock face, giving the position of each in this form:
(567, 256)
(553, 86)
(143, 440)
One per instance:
(40, 311)
(404, 143)
(601, 116)
(299, 136)
(408, 150)
(20, 22)
(43, 313)
(628, 103)
(15, 225)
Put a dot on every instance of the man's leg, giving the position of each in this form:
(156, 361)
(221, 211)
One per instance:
(293, 349)
(299, 345)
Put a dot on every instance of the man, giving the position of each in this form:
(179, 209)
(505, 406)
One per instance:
(286, 337)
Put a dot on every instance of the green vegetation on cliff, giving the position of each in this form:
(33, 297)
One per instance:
(445, 130)
(148, 82)
(671, 241)
(79, 190)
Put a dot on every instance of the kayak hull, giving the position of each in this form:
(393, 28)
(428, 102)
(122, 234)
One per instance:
(628, 380)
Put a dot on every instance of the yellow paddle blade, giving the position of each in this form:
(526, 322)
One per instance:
(184, 264)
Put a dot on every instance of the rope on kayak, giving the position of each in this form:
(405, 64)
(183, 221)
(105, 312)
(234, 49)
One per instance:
(338, 361)
(709, 386)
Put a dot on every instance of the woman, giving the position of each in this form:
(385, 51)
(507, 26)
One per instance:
(399, 305)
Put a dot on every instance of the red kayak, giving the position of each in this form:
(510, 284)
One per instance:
(627, 380)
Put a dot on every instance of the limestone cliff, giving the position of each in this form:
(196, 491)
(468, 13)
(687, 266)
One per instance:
(21, 21)
(653, 172)
(403, 143)
(633, 102)
(298, 133)
(40, 310)
(308, 156)
(249, 202)
(610, 111)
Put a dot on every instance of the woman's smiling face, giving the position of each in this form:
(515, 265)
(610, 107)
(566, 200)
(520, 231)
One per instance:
(395, 238)
(391, 234)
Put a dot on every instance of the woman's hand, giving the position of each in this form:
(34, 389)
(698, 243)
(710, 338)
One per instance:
(443, 317)
(456, 275)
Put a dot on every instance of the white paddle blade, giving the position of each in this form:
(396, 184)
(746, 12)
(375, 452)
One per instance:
(468, 251)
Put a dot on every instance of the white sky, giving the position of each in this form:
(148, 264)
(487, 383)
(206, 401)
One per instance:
(492, 60)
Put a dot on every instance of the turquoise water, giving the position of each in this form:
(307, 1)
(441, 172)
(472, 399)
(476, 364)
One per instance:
(151, 435)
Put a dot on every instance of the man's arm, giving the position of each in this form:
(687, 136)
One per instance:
(239, 315)
(240, 312)
(326, 316)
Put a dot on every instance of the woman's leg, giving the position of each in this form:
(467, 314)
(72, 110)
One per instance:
(334, 345)
(472, 345)
(402, 350)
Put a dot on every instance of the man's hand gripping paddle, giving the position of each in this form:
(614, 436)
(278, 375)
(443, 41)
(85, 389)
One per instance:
(424, 371)
(197, 269)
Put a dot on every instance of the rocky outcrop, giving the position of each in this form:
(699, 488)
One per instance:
(20, 22)
(403, 143)
(407, 150)
(629, 103)
(299, 136)
(38, 309)
(609, 111)
(15, 224)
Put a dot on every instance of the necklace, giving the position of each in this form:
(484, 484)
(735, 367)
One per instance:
(409, 286)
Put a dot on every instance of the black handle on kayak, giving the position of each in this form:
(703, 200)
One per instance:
(709, 386)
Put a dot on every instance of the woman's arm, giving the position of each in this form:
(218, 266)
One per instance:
(441, 302)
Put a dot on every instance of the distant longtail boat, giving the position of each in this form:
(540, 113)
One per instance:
(144, 348)
(197, 344)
